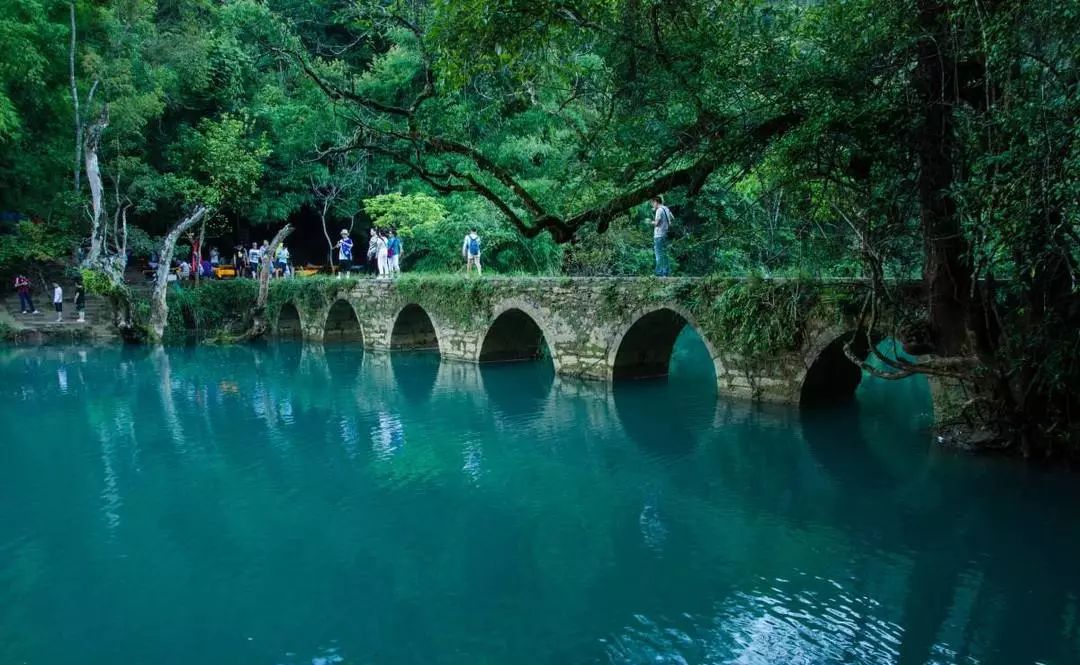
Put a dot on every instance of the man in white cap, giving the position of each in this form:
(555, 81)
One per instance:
(344, 247)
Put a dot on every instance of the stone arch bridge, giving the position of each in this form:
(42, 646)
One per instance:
(602, 329)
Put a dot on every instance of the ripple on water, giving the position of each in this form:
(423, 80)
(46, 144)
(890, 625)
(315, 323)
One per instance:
(778, 623)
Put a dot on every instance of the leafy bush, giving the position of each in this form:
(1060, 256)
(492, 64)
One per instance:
(624, 249)
(432, 235)
(36, 242)
(209, 310)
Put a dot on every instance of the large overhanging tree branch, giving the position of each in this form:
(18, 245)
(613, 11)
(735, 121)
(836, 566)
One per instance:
(463, 167)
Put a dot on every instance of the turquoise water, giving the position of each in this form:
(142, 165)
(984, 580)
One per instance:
(294, 504)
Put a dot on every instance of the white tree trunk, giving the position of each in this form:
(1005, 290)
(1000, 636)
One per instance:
(197, 256)
(75, 101)
(123, 235)
(326, 233)
(259, 324)
(98, 221)
(159, 307)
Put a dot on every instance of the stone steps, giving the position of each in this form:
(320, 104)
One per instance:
(44, 328)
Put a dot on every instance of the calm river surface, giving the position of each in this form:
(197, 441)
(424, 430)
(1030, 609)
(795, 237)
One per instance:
(314, 505)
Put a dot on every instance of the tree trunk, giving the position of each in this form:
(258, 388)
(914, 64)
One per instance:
(326, 233)
(159, 307)
(947, 271)
(197, 254)
(98, 220)
(259, 324)
(75, 102)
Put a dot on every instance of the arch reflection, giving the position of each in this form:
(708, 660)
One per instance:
(414, 375)
(518, 390)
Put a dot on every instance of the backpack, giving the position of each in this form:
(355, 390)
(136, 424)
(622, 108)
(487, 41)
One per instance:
(669, 219)
(474, 246)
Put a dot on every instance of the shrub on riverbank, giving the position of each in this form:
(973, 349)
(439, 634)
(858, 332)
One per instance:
(209, 310)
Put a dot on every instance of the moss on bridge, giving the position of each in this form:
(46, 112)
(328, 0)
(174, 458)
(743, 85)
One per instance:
(755, 318)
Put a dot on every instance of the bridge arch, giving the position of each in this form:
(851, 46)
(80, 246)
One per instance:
(289, 322)
(413, 328)
(643, 348)
(830, 376)
(518, 331)
(342, 323)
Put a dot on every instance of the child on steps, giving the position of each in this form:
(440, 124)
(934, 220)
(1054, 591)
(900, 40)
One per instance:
(58, 301)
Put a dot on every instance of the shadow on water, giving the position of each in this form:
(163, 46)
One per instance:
(651, 414)
(868, 444)
(668, 415)
(835, 438)
(343, 362)
(415, 373)
(518, 389)
(287, 356)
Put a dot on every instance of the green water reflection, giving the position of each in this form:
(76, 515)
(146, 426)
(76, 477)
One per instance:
(300, 504)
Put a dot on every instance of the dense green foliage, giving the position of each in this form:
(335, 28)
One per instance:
(432, 235)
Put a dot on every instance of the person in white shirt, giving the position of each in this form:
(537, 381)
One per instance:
(282, 260)
(382, 257)
(253, 256)
(661, 223)
(58, 301)
(470, 249)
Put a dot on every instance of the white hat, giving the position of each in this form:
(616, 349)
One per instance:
(344, 232)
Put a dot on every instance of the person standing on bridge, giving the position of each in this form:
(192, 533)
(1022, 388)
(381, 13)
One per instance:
(382, 253)
(661, 223)
(393, 251)
(470, 249)
(372, 250)
(344, 248)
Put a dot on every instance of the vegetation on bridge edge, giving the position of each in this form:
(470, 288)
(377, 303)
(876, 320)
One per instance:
(755, 319)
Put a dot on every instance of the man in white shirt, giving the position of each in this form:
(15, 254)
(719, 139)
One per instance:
(661, 223)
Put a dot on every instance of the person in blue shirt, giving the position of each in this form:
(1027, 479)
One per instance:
(344, 247)
(470, 249)
(393, 249)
